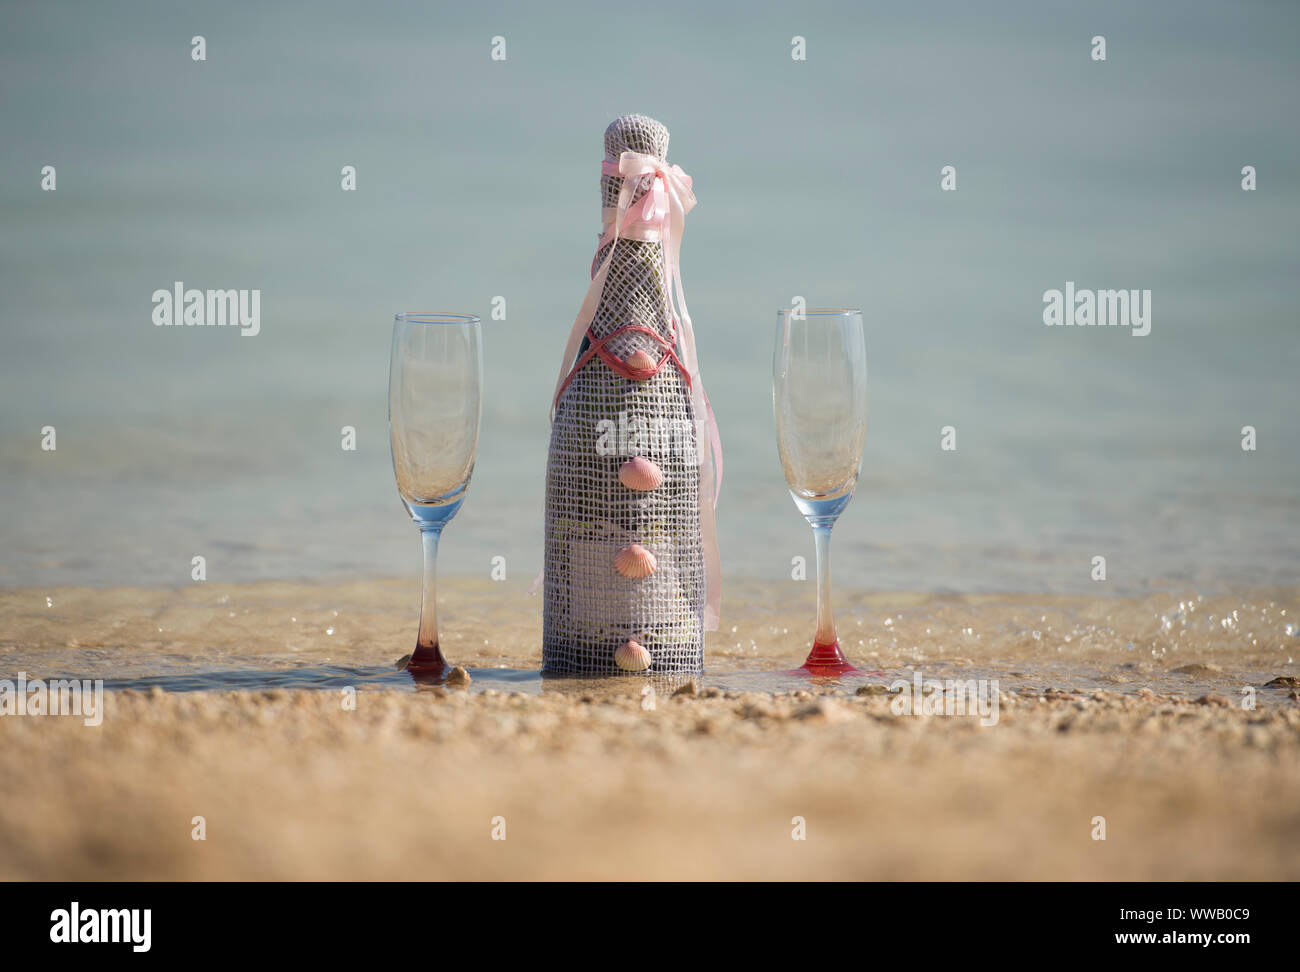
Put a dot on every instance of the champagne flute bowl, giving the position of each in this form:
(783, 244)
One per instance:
(819, 396)
(435, 401)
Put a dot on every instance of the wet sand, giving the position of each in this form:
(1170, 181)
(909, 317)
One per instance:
(1129, 710)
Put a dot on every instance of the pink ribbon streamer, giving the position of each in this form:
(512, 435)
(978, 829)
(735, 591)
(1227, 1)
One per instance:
(660, 215)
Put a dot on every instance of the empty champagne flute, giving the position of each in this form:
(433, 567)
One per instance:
(819, 394)
(435, 382)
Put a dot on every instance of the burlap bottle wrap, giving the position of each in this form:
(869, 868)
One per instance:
(625, 559)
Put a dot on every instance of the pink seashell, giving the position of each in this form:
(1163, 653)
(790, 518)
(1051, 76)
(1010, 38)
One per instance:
(635, 561)
(640, 361)
(640, 473)
(631, 657)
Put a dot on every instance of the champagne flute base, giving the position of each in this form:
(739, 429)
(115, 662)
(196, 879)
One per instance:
(427, 661)
(827, 659)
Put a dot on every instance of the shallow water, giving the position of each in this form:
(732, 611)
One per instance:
(281, 635)
(1073, 679)
(500, 679)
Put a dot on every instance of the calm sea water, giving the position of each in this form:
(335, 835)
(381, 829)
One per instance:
(478, 178)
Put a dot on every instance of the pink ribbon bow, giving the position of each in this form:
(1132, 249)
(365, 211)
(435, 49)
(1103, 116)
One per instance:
(660, 216)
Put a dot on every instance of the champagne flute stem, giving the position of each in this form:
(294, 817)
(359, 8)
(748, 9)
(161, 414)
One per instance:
(429, 589)
(427, 657)
(825, 619)
(825, 657)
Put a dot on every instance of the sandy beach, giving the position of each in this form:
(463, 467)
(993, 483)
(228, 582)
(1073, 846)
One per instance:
(1130, 710)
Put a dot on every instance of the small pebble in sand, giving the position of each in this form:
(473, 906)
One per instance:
(751, 710)
(458, 676)
(690, 688)
(1283, 681)
(1206, 669)
(872, 690)
(1218, 700)
(822, 710)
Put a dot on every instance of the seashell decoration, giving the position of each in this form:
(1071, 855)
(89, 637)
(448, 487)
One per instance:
(640, 361)
(640, 474)
(635, 561)
(632, 657)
